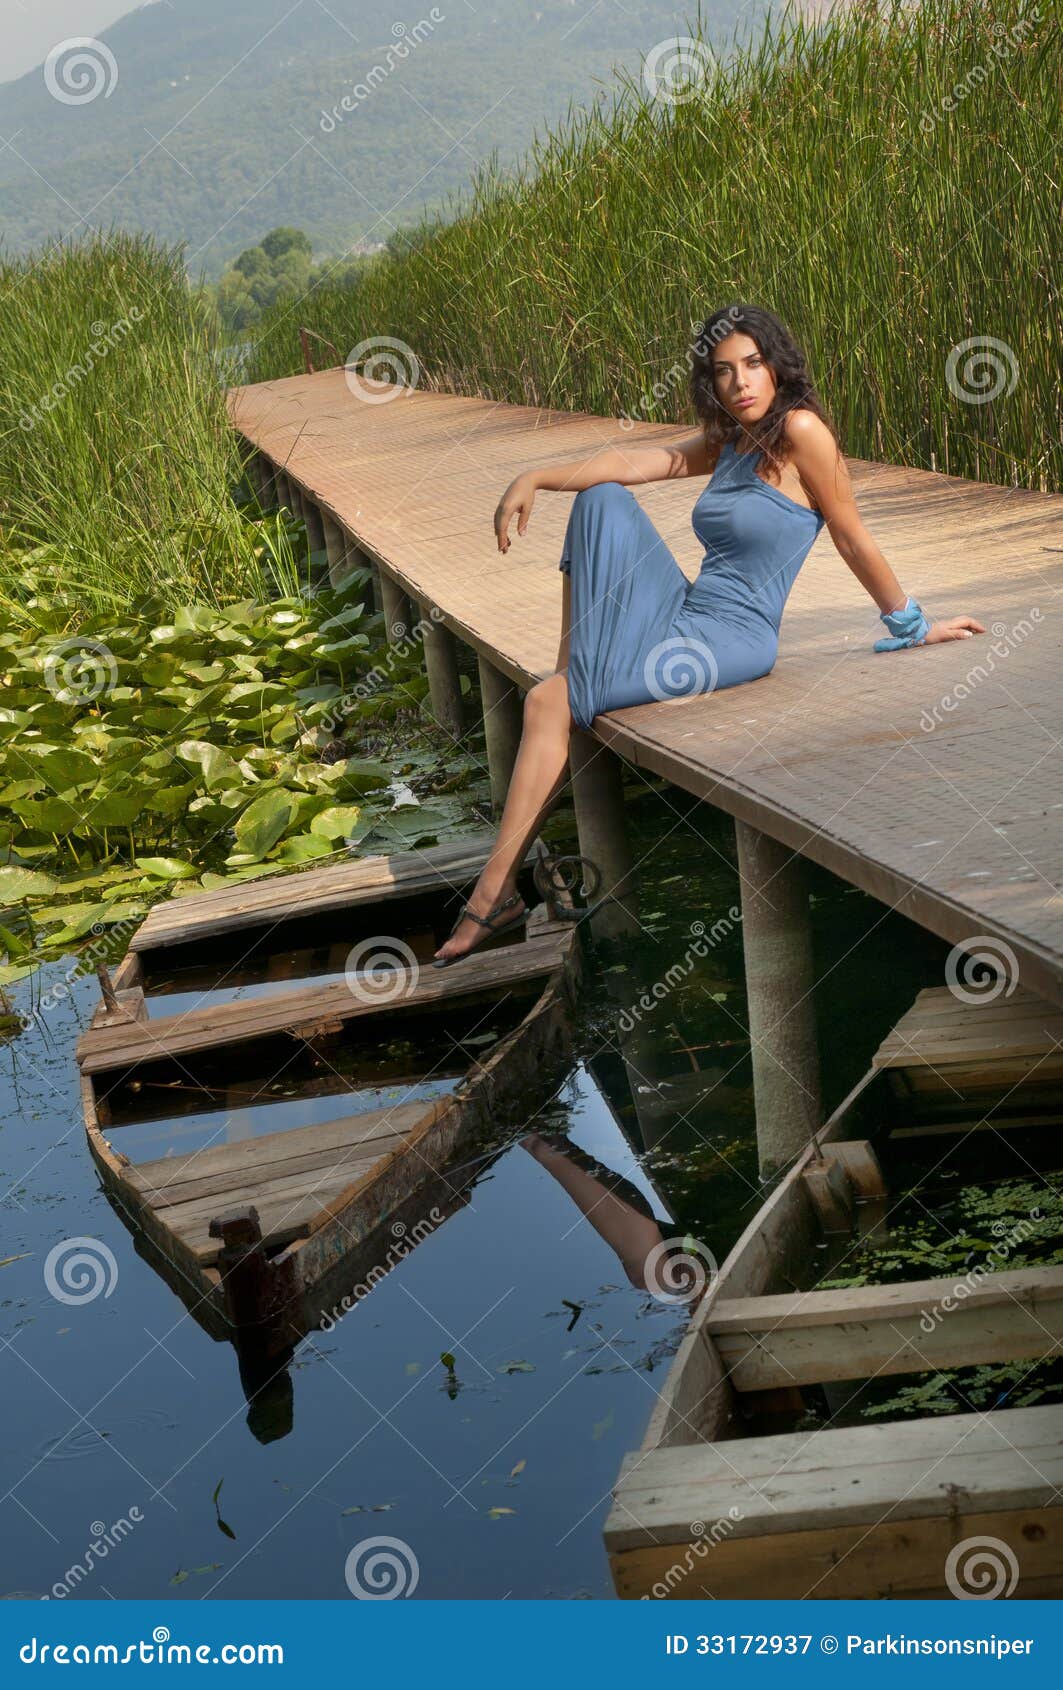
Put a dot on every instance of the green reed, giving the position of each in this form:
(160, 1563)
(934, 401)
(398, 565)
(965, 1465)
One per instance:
(885, 179)
(117, 464)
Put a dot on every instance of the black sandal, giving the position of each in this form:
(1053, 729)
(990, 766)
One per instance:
(490, 920)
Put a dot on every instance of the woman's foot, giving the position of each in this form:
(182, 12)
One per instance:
(468, 933)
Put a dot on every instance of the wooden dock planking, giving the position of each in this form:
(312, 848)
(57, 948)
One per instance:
(830, 753)
(126, 1044)
(337, 886)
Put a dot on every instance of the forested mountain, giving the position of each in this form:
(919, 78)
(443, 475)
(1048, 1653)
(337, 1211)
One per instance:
(211, 121)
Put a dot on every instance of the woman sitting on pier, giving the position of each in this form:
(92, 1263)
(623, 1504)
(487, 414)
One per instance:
(633, 628)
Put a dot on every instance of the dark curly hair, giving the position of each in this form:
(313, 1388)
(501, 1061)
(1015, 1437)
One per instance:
(794, 390)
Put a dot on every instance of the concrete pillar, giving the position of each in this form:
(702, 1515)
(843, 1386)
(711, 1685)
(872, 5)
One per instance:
(397, 618)
(503, 726)
(598, 796)
(444, 679)
(777, 945)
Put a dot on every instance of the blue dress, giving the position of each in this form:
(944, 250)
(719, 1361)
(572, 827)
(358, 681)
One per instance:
(640, 631)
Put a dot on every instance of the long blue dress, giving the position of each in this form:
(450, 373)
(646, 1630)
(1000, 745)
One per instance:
(640, 631)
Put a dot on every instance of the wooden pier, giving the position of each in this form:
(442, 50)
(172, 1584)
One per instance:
(931, 778)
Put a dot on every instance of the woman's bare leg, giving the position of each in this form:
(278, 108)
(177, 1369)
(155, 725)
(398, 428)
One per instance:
(539, 773)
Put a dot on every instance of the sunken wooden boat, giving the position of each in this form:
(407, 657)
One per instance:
(720, 1502)
(309, 1083)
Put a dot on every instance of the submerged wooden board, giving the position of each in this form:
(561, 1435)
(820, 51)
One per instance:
(859, 1511)
(124, 1045)
(280, 898)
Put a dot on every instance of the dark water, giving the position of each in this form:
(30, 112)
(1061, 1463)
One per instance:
(121, 1409)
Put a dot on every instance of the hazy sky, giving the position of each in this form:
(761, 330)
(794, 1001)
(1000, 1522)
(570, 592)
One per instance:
(31, 27)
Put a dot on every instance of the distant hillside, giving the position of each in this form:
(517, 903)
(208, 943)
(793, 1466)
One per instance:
(216, 121)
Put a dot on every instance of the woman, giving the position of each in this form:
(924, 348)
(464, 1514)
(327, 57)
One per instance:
(633, 629)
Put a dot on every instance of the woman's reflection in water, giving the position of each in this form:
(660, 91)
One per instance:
(618, 1211)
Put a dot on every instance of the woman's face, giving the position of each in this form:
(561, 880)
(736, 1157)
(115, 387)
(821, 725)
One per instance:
(743, 380)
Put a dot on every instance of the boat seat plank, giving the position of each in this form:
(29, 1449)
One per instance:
(282, 1219)
(212, 1025)
(280, 898)
(226, 1168)
(276, 1147)
(837, 1476)
(807, 1338)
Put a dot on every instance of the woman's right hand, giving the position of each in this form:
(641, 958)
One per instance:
(517, 500)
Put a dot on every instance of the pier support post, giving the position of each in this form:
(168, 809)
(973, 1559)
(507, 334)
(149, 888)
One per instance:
(598, 795)
(339, 567)
(396, 609)
(503, 725)
(261, 473)
(284, 490)
(315, 527)
(777, 945)
(444, 679)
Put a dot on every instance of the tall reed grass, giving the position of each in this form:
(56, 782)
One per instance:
(117, 464)
(885, 178)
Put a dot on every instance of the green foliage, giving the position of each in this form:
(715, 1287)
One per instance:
(830, 171)
(276, 272)
(161, 753)
(117, 461)
(983, 1229)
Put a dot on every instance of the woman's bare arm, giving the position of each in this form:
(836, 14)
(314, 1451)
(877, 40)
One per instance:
(823, 472)
(630, 465)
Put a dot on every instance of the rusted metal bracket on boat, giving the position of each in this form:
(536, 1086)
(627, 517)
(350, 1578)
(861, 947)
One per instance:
(258, 1293)
(556, 878)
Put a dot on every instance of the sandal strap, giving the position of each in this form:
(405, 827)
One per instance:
(491, 918)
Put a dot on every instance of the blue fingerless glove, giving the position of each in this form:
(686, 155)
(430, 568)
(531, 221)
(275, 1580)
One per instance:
(908, 626)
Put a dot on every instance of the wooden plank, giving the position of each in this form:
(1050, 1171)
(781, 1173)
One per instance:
(891, 1558)
(801, 752)
(342, 885)
(871, 1331)
(842, 1476)
(221, 1160)
(212, 1026)
(298, 1158)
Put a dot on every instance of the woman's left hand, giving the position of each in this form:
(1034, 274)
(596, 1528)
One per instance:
(953, 628)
